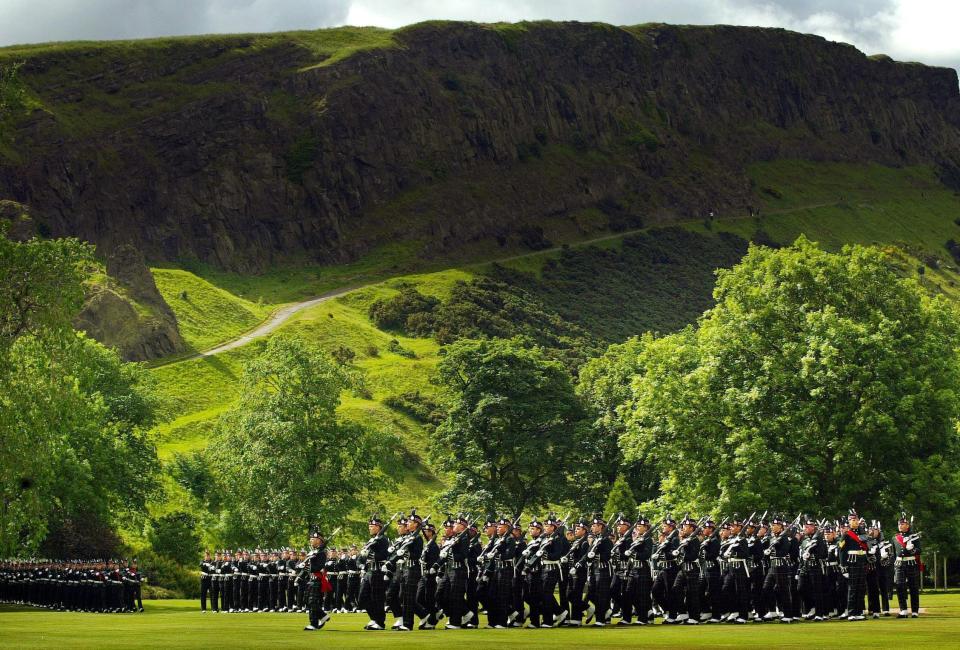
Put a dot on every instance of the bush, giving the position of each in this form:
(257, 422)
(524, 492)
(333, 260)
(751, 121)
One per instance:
(392, 313)
(175, 536)
(373, 351)
(396, 348)
(166, 578)
(192, 472)
(954, 248)
(343, 355)
(421, 408)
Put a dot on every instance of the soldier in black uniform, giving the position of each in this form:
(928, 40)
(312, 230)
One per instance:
(406, 562)
(393, 579)
(473, 585)
(353, 578)
(776, 584)
(312, 574)
(872, 572)
(734, 566)
(884, 570)
(530, 568)
(711, 583)
(206, 577)
(620, 565)
(601, 572)
(665, 570)
(453, 555)
(756, 544)
(552, 549)
(499, 563)
(831, 573)
(515, 613)
(636, 598)
(853, 560)
(372, 588)
(813, 556)
(906, 569)
(686, 586)
(427, 588)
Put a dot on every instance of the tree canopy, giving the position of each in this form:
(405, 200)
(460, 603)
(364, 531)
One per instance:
(74, 453)
(819, 381)
(514, 426)
(284, 457)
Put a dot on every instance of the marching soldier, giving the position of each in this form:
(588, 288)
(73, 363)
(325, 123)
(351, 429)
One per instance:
(576, 561)
(637, 598)
(665, 570)
(906, 567)
(776, 585)
(407, 564)
(813, 556)
(393, 579)
(598, 558)
(515, 616)
(473, 577)
(313, 575)
(552, 549)
(621, 566)
(530, 570)
(735, 565)
(427, 588)
(711, 581)
(853, 559)
(453, 555)
(372, 588)
(686, 586)
(500, 560)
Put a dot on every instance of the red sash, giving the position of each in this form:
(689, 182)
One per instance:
(852, 535)
(325, 585)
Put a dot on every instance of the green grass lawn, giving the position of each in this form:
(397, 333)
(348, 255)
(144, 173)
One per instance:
(179, 624)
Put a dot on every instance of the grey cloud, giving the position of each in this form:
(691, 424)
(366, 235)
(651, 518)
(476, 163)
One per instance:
(33, 21)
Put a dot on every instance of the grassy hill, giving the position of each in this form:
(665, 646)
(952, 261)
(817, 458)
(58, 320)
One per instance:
(660, 279)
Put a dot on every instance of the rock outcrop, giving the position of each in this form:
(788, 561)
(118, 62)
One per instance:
(242, 153)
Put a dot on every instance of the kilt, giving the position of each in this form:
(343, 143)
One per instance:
(373, 595)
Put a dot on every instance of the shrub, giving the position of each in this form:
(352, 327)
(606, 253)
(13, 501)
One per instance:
(343, 355)
(175, 536)
(392, 313)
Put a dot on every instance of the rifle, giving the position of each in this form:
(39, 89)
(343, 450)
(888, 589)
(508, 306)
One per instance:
(746, 521)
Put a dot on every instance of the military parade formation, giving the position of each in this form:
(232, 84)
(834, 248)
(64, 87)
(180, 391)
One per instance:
(622, 572)
(104, 586)
(551, 573)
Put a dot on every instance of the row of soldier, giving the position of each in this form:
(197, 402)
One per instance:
(261, 581)
(688, 573)
(103, 586)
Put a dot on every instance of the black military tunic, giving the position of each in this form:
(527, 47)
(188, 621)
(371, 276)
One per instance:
(372, 587)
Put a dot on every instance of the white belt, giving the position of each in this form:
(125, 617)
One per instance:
(906, 559)
(856, 552)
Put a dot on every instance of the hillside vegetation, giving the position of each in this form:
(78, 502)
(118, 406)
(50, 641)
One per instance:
(581, 297)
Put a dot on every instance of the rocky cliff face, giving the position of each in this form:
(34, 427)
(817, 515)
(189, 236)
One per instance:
(243, 153)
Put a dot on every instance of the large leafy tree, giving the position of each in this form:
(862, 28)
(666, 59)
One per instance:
(818, 381)
(514, 427)
(74, 454)
(283, 455)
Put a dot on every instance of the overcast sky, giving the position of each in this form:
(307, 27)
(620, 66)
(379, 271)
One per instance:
(914, 30)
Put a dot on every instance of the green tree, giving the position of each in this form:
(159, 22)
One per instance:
(604, 386)
(174, 535)
(818, 381)
(514, 425)
(283, 456)
(74, 453)
(621, 499)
